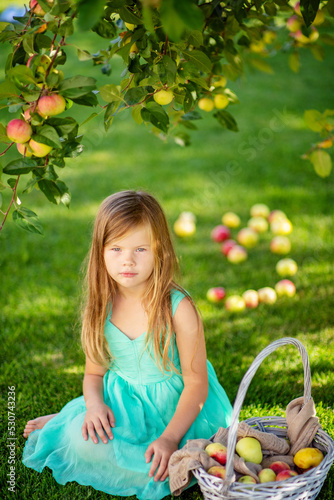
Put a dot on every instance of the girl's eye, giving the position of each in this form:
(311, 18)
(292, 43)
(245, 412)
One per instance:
(116, 249)
(141, 249)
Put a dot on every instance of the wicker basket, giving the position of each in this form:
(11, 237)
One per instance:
(303, 487)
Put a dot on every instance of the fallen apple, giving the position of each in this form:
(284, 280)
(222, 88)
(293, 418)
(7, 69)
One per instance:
(19, 131)
(259, 224)
(285, 288)
(260, 210)
(281, 226)
(267, 295)
(247, 237)
(286, 474)
(286, 267)
(184, 227)
(279, 466)
(227, 245)
(251, 298)
(220, 233)
(237, 254)
(247, 480)
(217, 471)
(230, 219)
(308, 457)
(280, 245)
(217, 451)
(250, 449)
(216, 294)
(235, 303)
(187, 216)
(266, 476)
(276, 215)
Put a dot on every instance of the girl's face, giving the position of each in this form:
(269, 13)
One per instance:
(130, 259)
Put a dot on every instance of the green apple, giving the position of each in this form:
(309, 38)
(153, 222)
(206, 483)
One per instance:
(250, 449)
(286, 267)
(280, 245)
(266, 476)
(267, 295)
(247, 480)
(237, 254)
(247, 237)
(235, 303)
(258, 224)
(260, 210)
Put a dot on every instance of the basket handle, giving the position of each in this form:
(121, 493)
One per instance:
(232, 435)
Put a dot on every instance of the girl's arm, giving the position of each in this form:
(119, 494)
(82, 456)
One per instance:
(191, 345)
(99, 418)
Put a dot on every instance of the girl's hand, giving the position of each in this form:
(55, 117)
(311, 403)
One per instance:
(162, 448)
(99, 418)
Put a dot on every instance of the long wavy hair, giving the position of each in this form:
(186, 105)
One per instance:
(119, 214)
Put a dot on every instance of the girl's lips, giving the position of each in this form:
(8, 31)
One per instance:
(128, 275)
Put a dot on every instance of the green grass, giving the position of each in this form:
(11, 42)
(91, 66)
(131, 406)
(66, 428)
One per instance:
(41, 276)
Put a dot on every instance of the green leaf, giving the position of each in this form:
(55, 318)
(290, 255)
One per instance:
(167, 70)
(135, 95)
(309, 9)
(136, 114)
(226, 120)
(314, 120)
(128, 16)
(195, 38)
(330, 7)
(199, 81)
(47, 135)
(182, 139)
(64, 126)
(8, 89)
(110, 92)
(45, 5)
(1, 200)
(322, 162)
(326, 38)
(89, 13)
(155, 114)
(83, 55)
(192, 115)
(50, 190)
(21, 76)
(262, 65)
(28, 43)
(65, 198)
(177, 16)
(199, 59)
(3, 134)
(28, 220)
(77, 86)
(19, 166)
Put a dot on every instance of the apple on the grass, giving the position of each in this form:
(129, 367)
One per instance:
(251, 298)
(286, 474)
(286, 267)
(227, 245)
(259, 224)
(267, 295)
(19, 131)
(260, 210)
(279, 466)
(266, 476)
(247, 480)
(237, 254)
(285, 287)
(235, 303)
(220, 233)
(276, 215)
(280, 245)
(281, 227)
(247, 237)
(230, 219)
(217, 471)
(216, 294)
(217, 451)
(184, 227)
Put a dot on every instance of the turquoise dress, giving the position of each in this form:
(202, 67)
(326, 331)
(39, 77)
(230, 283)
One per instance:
(143, 400)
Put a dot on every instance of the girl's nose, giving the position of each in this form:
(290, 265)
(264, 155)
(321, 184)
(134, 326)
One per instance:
(128, 259)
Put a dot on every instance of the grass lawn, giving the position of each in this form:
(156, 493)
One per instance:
(221, 171)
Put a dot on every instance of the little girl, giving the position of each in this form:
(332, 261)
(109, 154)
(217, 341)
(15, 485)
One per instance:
(148, 386)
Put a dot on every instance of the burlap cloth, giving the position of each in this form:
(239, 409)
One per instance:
(302, 427)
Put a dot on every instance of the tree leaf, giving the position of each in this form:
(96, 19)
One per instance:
(155, 114)
(20, 166)
(27, 220)
(47, 135)
(50, 189)
(309, 9)
(110, 92)
(65, 198)
(226, 120)
(64, 126)
(199, 59)
(8, 89)
(89, 13)
(77, 86)
(167, 70)
(21, 76)
(314, 120)
(262, 65)
(134, 95)
(322, 162)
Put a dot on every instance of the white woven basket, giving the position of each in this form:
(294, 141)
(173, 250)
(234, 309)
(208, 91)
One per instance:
(303, 487)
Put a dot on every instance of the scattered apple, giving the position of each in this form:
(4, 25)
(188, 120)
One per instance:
(281, 226)
(260, 210)
(51, 105)
(217, 471)
(280, 245)
(19, 131)
(220, 233)
(285, 287)
(187, 216)
(206, 104)
(247, 237)
(215, 294)
(235, 303)
(217, 451)
(39, 149)
(251, 298)
(237, 254)
(286, 474)
(163, 97)
(227, 245)
(184, 227)
(250, 449)
(24, 150)
(258, 224)
(247, 480)
(276, 215)
(308, 457)
(221, 101)
(286, 267)
(230, 219)
(267, 295)
(279, 466)
(266, 476)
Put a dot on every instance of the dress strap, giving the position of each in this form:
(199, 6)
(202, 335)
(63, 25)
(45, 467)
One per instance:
(176, 297)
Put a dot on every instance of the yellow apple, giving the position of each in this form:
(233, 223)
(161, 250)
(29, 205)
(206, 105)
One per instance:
(163, 97)
(250, 449)
(206, 104)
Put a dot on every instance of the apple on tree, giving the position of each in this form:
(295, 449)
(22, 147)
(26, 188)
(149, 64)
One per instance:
(206, 104)
(51, 105)
(19, 131)
(39, 149)
(163, 97)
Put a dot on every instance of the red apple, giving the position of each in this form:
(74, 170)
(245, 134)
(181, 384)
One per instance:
(237, 254)
(39, 149)
(285, 287)
(217, 471)
(279, 466)
(217, 451)
(247, 237)
(216, 294)
(235, 303)
(286, 267)
(286, 474)
(24, 150)
(19, 131)
(51, 105)
(230, 219)
(267, 295)
(227, 245)
(280, 245)
(251, 298)
(220, 233)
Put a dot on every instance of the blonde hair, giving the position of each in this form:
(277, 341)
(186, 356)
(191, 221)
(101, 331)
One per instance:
(118, 214)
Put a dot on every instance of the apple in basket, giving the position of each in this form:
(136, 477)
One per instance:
(217, 451)
(308, 457)
(286, 474)
(247, 480)
(266, 476)
(250, 449)
(279, 466)
(217, 471)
